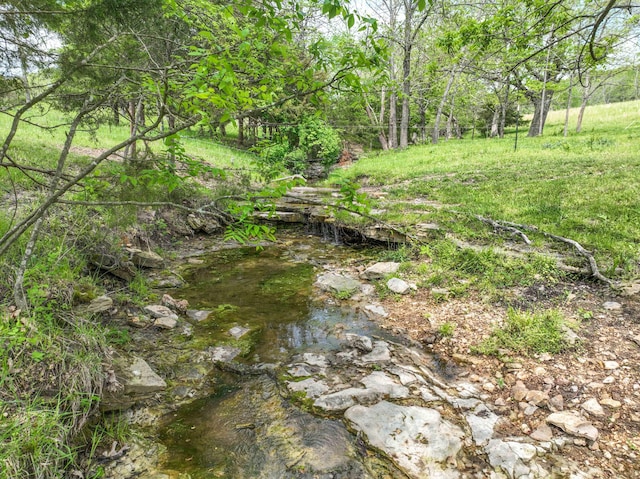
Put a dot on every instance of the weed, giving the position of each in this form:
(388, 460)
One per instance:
(527, 333)
(344, 294)
(447, 329)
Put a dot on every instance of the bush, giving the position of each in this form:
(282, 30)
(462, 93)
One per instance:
(319, 140)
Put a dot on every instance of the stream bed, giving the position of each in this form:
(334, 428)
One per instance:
(284, 376)
(249, 427)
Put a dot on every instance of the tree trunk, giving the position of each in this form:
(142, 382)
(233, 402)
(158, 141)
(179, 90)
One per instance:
(25, 74)
(436, 127)
(240, 131)
(495, 127)
(540, 112)
(393, 120)
(586, 93)
(568, 109)
(406, 80)
(504, 106)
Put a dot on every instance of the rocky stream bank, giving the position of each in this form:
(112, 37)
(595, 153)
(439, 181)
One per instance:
(344, 398)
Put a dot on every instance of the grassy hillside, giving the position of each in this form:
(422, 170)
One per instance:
(585, 186)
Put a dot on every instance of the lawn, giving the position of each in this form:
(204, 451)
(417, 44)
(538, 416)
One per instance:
(585, 187)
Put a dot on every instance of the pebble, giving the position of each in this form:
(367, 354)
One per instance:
(612, 403)
(593, 407)
(556, 403)
(611, 365)
(608, 380)
(519, 391)
(539, 371)
(490, 387)
(536, 397)
(543, 433)
(611, 305)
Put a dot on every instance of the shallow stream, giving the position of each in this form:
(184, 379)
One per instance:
(247, 428)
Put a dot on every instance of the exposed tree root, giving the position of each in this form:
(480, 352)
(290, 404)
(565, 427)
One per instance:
(505, 227)
(515, 227)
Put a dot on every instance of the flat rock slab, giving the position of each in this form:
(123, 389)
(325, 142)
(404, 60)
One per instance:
(482, 423)
(198, 315)
(380, 270)
(223, 354)
(98, 305)
(311, 387)
(159, 311)
(337, 283)
(573, 423)
(416, 438)
(145, 259)
(379, 354)
(165, 323)
(376, 310)
(137, 377)
(238, 331)
(511, 456)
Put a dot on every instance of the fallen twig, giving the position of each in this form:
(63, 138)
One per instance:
(509, 228)
(593, 266)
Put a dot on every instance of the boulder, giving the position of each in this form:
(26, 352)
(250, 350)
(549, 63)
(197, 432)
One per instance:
(398, 286)
(337, 283)
(97, 305)
(145, 259)
(159, 311)
(380, 270)
(165, 322)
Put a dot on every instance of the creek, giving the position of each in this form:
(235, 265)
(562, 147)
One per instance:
(248, 427)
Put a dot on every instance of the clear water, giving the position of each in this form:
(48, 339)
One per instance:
(246, 428)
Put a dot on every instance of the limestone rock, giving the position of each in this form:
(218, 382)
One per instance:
(612, 305)
(337, 283)
(536, 397)
(519, 391)
(418, 439)
(223, 354)
(376, 310)
(511, 456)
(398, 286)
(165, 322)
(362, 343)
(482, 422)
(145, 259)
(98, 305)
(380, 270)
(198, 315)
(159, 311)
(610, 365)
(238, 331)
(573, 423)
(379, 354)
(179, 305)
(556, 403)
(310, 386)
(543, 433)
(593, 407)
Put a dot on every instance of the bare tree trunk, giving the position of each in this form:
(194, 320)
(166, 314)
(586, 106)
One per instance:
(406, 76)
(393, 120)
(568, 109)
(436, 127)
(450, 124)
(504, 107)
(379, 121)
(495, 127)
(583, 104)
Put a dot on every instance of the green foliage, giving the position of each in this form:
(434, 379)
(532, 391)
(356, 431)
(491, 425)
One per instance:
(318, 140)
(527, 333)
(446, 329)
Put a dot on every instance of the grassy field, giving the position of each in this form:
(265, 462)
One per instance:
(50, 139)
(585, 187)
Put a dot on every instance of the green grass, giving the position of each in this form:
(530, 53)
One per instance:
(585, 187)
(527, 333)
